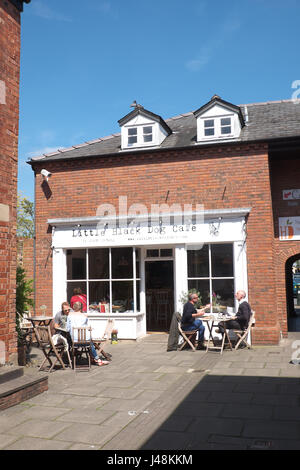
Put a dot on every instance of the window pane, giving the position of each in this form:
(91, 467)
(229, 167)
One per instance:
(147, 130)
(223, 292)
(152, 253)
(73, 285)
(198, 263)
(122, 296)
(208, 132)
(225, 121)
(203, 288)
(99, 263)
(148, 138)
(225, 130)
(209, 123)
(222, 260)
(132, 140)
(122, 263)
(98, 292)
(132, 131)
(76, 264)
(166, 252)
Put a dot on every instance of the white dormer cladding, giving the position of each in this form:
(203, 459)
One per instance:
(142, 132)
(142, 128)
(218, 120)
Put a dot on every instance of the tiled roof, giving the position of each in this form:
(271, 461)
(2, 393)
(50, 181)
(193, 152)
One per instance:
(264, 122)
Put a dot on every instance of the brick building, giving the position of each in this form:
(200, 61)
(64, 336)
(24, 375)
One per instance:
(205, 200)
(9, 121)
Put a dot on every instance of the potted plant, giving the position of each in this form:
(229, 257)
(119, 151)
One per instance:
(24, 301)
(185, 297)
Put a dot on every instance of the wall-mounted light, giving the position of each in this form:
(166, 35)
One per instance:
(214, 227)
(45, 174)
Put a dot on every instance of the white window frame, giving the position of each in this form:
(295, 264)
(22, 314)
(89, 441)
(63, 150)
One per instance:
(217, 127)
(140, 134)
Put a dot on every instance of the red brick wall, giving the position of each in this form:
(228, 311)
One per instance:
(231, 177)
(285, 174)
(9, 118)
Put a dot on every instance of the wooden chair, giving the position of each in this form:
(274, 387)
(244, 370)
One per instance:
(187, 336)
(44, 339)
(81, 345)
(243, 334)
(100, 342)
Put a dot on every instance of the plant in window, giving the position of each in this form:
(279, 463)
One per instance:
(185, 297)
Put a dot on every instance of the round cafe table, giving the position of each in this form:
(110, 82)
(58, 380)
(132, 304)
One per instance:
(212, 322)
(41, 321)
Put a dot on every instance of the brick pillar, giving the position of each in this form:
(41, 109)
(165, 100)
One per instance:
(9, 121)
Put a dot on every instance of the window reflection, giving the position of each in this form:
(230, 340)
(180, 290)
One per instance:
(201, 286)
(122, 296)
(224, 292)
(122, 264)
(222, 260)
(98, 292)
(198, 262)
(99, 263)
(76, 264)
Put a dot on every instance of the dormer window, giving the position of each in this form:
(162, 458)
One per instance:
(209, 127)
(132, 136)
(140, 135)
(218, 120)
(141, 128)
(225, 126)
(147, 134)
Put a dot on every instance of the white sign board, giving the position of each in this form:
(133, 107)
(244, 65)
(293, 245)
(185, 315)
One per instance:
(142, 234)
(288, 194)
(289, 228)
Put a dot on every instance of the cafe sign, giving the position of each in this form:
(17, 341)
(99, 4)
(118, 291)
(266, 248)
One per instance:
(144, 234)
(289, 228)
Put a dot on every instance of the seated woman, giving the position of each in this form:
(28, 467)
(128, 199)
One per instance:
(77, 319)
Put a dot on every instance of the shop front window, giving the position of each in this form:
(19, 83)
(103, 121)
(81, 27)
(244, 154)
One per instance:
(105, 275)
(210, 272)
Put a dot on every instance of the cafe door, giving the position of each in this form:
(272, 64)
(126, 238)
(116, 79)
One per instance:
(159, 294)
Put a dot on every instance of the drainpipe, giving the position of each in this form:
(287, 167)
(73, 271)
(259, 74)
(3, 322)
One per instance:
(34, 244)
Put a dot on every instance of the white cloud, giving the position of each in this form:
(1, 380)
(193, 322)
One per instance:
(207, 51)
(42, 10)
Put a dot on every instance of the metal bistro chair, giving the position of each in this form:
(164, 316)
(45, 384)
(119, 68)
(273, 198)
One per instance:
(45, 341)
(243, 334)
(81, 345)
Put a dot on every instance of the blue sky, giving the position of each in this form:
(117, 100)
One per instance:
(84, 62)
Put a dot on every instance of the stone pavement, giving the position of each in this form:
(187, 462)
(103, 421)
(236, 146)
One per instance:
(148, 398)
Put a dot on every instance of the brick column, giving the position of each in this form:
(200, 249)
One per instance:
(9, 119)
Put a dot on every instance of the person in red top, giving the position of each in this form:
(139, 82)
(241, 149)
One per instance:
(78, 296)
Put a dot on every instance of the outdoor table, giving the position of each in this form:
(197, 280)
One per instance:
(212, 322)
(41, 321)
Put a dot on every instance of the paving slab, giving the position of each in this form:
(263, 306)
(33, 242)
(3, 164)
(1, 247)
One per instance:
(147, 398)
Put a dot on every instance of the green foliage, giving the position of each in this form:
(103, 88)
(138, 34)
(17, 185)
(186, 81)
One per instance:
(185, 297)
(24, 301)
(25, 218)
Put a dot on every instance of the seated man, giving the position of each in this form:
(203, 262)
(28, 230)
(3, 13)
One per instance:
(60, 319)
(190, 321)
(241, 320)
